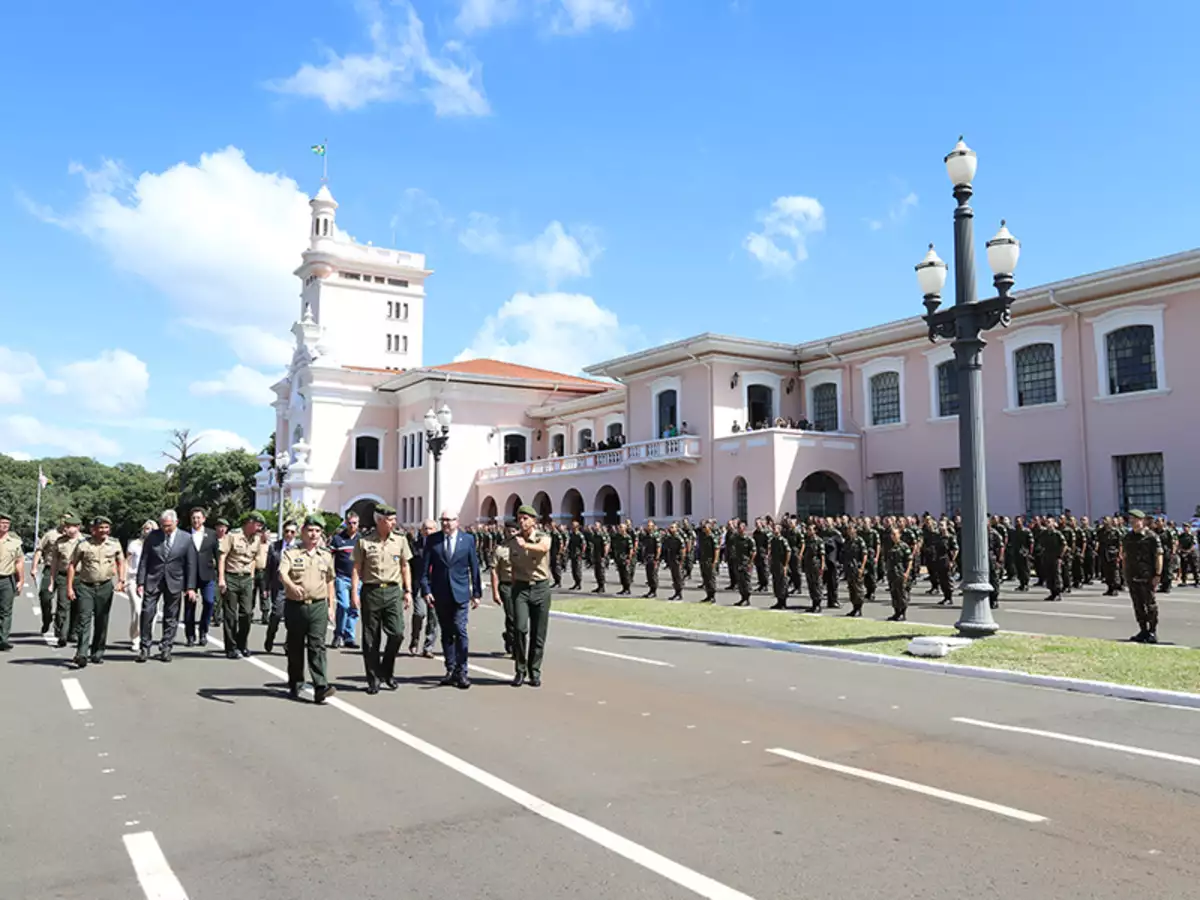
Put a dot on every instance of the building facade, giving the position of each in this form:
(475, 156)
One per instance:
(1087, 403)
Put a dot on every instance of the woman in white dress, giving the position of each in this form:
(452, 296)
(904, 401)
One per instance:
(133, 555)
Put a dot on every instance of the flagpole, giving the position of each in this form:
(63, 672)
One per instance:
(325, 163)
(37, 516)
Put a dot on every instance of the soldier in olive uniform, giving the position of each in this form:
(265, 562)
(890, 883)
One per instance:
(94, 565)
(1108, 540)
(1143, 556)
(743, 550)
(306, 572)
(598, 550)
(12, 577)
(870, 536)
(1166, 538)
(899, 568)
(1021, 550)
(708, 554)
(531, 598)
(556, 554)
(381, 566)
(943, 553)
(1052, 550)
(622, 554)
(575, 547)
(814, 568)
(42, 556)
(854, 563)
(1188, 557)
(502, 579)
(651, 554)
(239, 554)
(762, 540)
(672, 552)
(996, 539)
(795, 539)
(780, 554)
(65, 613)
(731, 565)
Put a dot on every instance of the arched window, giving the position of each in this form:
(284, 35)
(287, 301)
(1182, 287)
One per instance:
(650, 510)
(825, 407)
(668, 412)
(760, 405)
(947, 384)
(668, 494)
(885, 398)
(366, 453)
(558, 445)
(740, 498)
(1131, 363)
(614, 430)
(686, 490)
(514, 449)
(585, 438)
(1036, 380)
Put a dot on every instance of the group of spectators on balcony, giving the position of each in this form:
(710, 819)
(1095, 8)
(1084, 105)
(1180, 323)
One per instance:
(780, 422)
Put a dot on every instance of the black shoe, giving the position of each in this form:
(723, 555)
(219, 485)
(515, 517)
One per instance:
(426, 654)
(232, 654)
(372, 687)
(165, 656)
(323, 693)
(993, 604)
(80, 662)
(264, 621)
(897, 617)
(463, 683)
(191, 642)
(742, 603)
(833, 605)
(143, 655)
(45, 627)
(390, 683)
(854, 614)
(203, 640)
(97, 660)
(245, 654)
(268, 646)
(779, 606)
(62, 642)
(945, 602)
(293, 692)
(337, 642)
(5, 647)
(448, 681)
(518, 679)
(1151, 638)
(535, 680)
(350, 645)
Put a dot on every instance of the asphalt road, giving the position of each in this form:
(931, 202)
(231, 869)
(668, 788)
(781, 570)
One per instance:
(645, 767)
(1085, 612)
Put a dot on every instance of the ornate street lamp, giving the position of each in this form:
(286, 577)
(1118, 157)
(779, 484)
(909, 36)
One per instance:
(437, 433)
(283, 460)
(963, 323)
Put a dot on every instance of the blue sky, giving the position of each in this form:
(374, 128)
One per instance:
(647, 169)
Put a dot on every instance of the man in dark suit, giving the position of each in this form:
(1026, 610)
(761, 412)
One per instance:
(422, 615)
(450, 581)
(274, 585)
(167, 569)
(205, 541)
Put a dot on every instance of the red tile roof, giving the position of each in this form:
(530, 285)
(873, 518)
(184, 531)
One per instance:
(494, 368)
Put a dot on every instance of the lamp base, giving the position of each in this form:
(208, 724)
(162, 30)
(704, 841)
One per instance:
(976, 620)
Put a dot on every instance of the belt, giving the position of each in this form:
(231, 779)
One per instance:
(382, 584)
(227, 573)
(97, 583)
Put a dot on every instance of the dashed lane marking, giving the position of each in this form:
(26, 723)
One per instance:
(913, 786)
(1078, 739)
(75, 695)
(637, 659)
(153, 871)
(1059, 615)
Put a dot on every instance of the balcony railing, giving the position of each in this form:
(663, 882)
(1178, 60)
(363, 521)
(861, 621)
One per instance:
(684, 447)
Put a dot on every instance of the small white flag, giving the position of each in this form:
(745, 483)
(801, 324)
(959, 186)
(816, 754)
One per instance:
(42, 479)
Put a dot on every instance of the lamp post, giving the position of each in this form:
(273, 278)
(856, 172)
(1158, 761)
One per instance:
(963, 323)
(282, 461)
(437, 433)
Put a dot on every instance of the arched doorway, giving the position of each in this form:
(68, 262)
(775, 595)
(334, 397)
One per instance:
(821, 494)
(541, 502)
(741, 499)
(572, 506)
(608, 505)
(651, 512)
(511, 505)
(365, 507)
(760, 403)
(487, 510)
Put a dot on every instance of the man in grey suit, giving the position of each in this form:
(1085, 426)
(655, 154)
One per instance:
(167, 569)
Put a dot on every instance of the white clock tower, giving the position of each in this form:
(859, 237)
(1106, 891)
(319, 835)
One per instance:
(368, 302)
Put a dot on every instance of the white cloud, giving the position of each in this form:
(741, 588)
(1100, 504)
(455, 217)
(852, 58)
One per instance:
(782, 241)
(476, 15)
(18, 370)
(554, 256)
(241, 383)
(18, 455)
(216, 440)
(113, 384)
(28, 432)
(399, 66)
(898, 212)
(562, 16)
(579, 15)
(218, 239)
(557, 331)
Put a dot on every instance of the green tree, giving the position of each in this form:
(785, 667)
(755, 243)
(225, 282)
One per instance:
(221, 483)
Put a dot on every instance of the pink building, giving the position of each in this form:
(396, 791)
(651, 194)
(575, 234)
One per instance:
(1085, 408)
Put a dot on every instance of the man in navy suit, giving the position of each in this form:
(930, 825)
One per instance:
(450, 581)
(167, 570)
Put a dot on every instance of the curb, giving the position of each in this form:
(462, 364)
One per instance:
(1078, 685)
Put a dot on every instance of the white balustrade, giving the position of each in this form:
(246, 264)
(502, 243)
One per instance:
(684, 447)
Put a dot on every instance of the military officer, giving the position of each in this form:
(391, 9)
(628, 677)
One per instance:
(651, 554)
(381, 566)
(1021, 550)
(814, 567)
(780, 554)
(12, 577)
(673, 550)
(795, 539)
(42, 556)
(899, 568)
(1167, 539)
(94, 564)
(708, 554)
(742, 554)
(307, 576)
(239, 554)
(854, 564)
(575, 548)
(996, 538)
(65, 613)
(1052, 551)
(622, 554)
(1143, 568)
(943, 551)
(598, 550)
(502, 579)
(531, 597)
(1187, 556)
(762, 544)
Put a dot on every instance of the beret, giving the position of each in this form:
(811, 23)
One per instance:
(314, 520)
(526, 511)
(254, 517)
(71, 519)
(384, 510)
(1136, 514)
(101, 520)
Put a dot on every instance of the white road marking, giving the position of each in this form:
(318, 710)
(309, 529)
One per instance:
(963, 799)
(598, 834)
(1076, 739)
(119, 796)
(153, 871)
(75, 695)
(1060, 615)
(492, 672)
(1095, 603)
(639, 659)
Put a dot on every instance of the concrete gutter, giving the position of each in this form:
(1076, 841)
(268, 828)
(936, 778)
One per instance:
(1079, 685)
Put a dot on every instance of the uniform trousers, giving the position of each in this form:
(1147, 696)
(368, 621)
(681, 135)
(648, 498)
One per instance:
(275, 617)
(831, 584)
(531, 616)
(1188, 565)
(779, 583)
(8, 589)
(206, 591)
(760, 569)
(816, 587)
(556, 569)
(898, 587)
(576, 571)
(95, 604)
(263, 595)
(854, 584)
(452, 619)
(939, 571)
(381, 616)
(66, 617)
(170, 610)
(708, 578)
(306, 634)
(652, 578)
(623, 574)
(510, 621)
(423, 616)
(598, 573)
(675, 567)
(743, 582)
(1145, 606)
(238, 601)
(795, 574)
(1022, 564)
(45, 593)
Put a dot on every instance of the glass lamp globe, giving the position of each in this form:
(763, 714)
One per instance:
(931, 273)
(431, 422)
(960, 163)
(443, 417)
(1003, 251)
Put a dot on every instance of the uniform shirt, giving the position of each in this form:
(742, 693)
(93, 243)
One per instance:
(672, 548)
(502, 561)
(651, 546)
(46, 545)
(96, 562)
(898, 558)
(241, 553)
(309, 570)
(708, 546)
(382, 560)
(779, 549)
(62, 551)
(10, 551)
(621, 545)
(1142, 550)
(529, 565)
(343, 546)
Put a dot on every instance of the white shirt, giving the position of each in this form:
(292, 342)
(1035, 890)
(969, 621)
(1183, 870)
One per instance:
(453, 542)
(197, 537)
